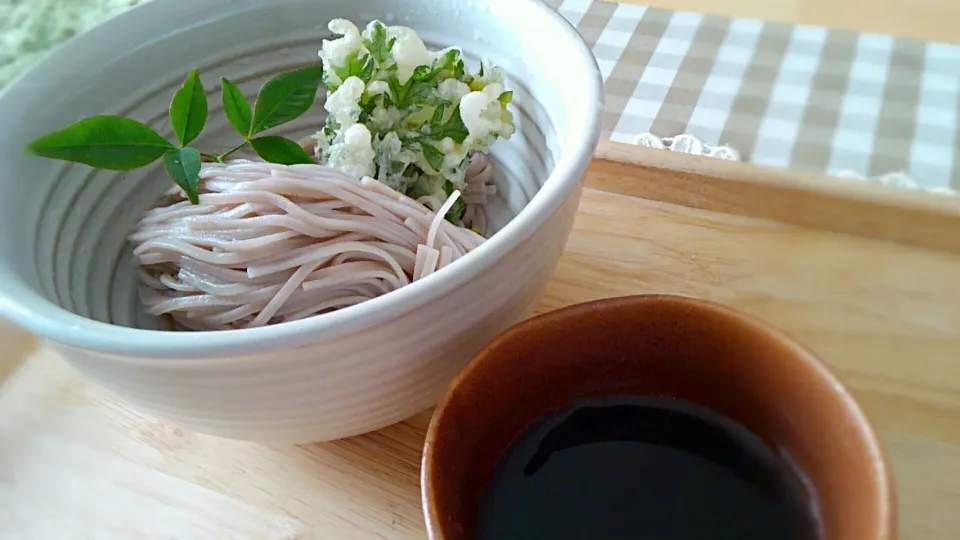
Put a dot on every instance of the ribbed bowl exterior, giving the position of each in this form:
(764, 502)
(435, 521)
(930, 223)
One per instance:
(349, 385)
(65, 270)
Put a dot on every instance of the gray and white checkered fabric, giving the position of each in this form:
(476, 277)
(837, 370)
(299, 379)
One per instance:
(797, 96)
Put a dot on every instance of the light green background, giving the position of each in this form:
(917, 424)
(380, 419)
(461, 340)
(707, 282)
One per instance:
(30, 28)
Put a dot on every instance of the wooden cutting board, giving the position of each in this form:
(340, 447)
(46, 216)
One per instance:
(866, 276)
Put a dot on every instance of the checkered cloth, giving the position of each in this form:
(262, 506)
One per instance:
(797, 96)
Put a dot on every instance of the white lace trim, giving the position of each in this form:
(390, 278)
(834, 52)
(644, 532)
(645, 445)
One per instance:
(686, 144)
(896, 179)
(689, 144)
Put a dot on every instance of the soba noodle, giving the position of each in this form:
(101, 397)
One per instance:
(272, 243)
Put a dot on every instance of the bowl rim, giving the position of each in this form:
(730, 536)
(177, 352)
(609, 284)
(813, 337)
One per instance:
(43, 317)
(883, 473)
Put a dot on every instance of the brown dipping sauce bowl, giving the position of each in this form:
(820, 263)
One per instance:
(661, 346)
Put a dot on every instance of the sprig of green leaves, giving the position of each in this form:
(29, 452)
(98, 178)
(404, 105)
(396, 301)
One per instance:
(183, 165)
(235, 106)
(188, 110)
(122, 144)
(103, 142)
(285, 97)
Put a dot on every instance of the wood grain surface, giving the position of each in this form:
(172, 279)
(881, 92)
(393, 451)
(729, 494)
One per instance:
(77, 463)
(812, 200)
(920, 19)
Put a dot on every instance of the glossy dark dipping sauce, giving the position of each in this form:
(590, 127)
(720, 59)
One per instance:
(642, 468)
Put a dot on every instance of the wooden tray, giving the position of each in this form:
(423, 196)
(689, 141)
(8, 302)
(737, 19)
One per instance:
(869, 277)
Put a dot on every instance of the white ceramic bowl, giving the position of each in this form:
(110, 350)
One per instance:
(65, 271)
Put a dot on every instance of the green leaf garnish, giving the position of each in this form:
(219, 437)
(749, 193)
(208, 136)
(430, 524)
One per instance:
(188, 110)
(285, 97)
(236, 107)
(276, 149)
(455, 215)
(366, 109)
(420, 74)
(420, 93)
(453, 128)
(433, 156)
(122, 144)
(447, 66)
(356, 65)
(183, 165)
(379, 47)
(438, 114)
(395, 89)
(103, 142)
(418, 89)
(422, 113)
(366, 73)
